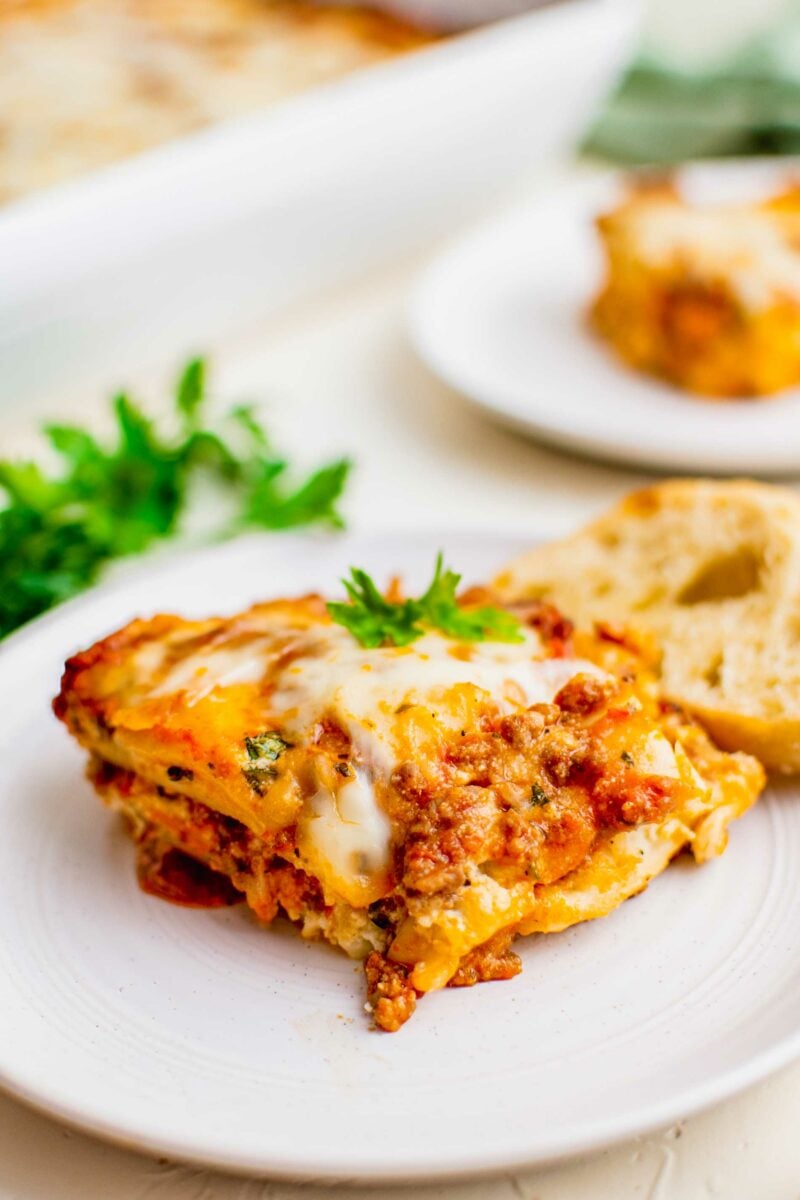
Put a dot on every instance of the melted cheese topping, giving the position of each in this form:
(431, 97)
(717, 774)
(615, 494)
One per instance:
(199, 674)
(747, 248)
(363, 689)
(344, 834)
(346, 838)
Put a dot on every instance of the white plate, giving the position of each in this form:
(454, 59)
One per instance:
(199, 1035)
(501, 318)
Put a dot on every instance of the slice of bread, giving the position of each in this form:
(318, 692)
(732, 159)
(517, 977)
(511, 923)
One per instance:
(713, 570)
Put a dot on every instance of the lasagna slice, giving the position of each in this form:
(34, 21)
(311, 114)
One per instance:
(416, 805)
(85, 83)
(706, 296)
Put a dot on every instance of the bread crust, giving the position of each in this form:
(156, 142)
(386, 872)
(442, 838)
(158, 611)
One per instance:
(711, 570)
(776, 743)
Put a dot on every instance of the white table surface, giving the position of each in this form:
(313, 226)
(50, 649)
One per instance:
(339, 375)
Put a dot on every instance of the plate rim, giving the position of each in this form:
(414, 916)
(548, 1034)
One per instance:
(598, 1135)
(591, 1135)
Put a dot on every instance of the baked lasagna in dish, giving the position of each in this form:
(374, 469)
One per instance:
(415, 791)
(707, 296)
(84, 83)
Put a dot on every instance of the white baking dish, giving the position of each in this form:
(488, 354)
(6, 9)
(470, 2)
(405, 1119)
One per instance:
(157, 255)
(455, 14)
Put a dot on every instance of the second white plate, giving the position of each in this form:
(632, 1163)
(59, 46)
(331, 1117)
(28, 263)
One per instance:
(199, 1035)
(501, 318)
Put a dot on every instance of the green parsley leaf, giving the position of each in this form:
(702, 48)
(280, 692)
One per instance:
(375, 621)
(27, 486)
(269, 505)
(57, 531)
(260, 777)
(244, 416)
(467, 625)
(263, 750)
(191, 390)
(268, 745)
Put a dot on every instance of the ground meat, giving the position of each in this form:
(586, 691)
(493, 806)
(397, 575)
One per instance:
(331, 737)
(522, 838)
(458, 827)
(563, 752)
(529, 791)
(170, 874)
(411, 783)
(206, 859)
(493, 960)
(619, 804)
(523, 730)
(552, 626)
(390, 996)
(585, 694)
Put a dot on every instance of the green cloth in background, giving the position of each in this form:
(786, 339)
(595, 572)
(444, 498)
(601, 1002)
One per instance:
(748, 104)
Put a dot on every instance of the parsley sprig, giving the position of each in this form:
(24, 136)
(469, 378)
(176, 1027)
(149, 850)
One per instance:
(59, 529)
(375, 621)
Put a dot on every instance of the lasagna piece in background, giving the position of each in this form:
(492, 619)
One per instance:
(86, 82)
(707, 297)
(419, 805)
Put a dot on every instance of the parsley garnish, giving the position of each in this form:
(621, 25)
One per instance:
(58, 530)
(266, 745)
(375, 621)
(263, 750)
(371, 618)
(539, 796)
